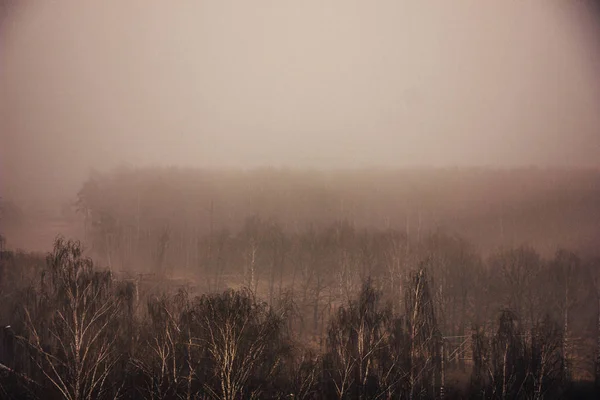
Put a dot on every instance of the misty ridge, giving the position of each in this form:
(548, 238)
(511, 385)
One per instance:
(547, 208)
(317, 199)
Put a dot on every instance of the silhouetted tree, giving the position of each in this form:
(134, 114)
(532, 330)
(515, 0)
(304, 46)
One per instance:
(425, 338)
(356, 337)
(69, 322)
(243, 340)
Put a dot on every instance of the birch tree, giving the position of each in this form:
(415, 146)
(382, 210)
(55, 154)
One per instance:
(356, 337)
(69, 321)
(424, 337)
(242, 339)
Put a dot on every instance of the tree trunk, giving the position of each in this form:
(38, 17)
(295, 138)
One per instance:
(597, 369)
(504, 372)
(565, 343)
(442, 370)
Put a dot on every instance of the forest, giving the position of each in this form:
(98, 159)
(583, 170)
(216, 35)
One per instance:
(281, 284)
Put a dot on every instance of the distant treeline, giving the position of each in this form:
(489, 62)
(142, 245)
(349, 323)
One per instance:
(129, 211)
(333, 312)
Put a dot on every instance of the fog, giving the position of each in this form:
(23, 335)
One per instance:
(306, 199)
(296, 83)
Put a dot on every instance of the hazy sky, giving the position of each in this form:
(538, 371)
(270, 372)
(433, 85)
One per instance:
(301, 83)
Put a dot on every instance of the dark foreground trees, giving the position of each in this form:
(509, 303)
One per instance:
(66, 328)
(226, 346)
(73, 342)
(73, 331)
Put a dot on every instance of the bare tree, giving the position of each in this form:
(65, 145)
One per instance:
(594, 273)
(69, 322)
(425, 338)
(519, 270)
(170, 358)
(507, 356)
(305, 371)
(356, 337)
(548, 358)
(240, 336)
(563, 271)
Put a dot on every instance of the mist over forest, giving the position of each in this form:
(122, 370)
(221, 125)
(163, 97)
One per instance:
(319, 199)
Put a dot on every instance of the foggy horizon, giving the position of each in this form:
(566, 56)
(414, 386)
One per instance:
(286, 84)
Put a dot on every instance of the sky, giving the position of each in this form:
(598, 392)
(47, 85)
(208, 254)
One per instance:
(311, 83)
